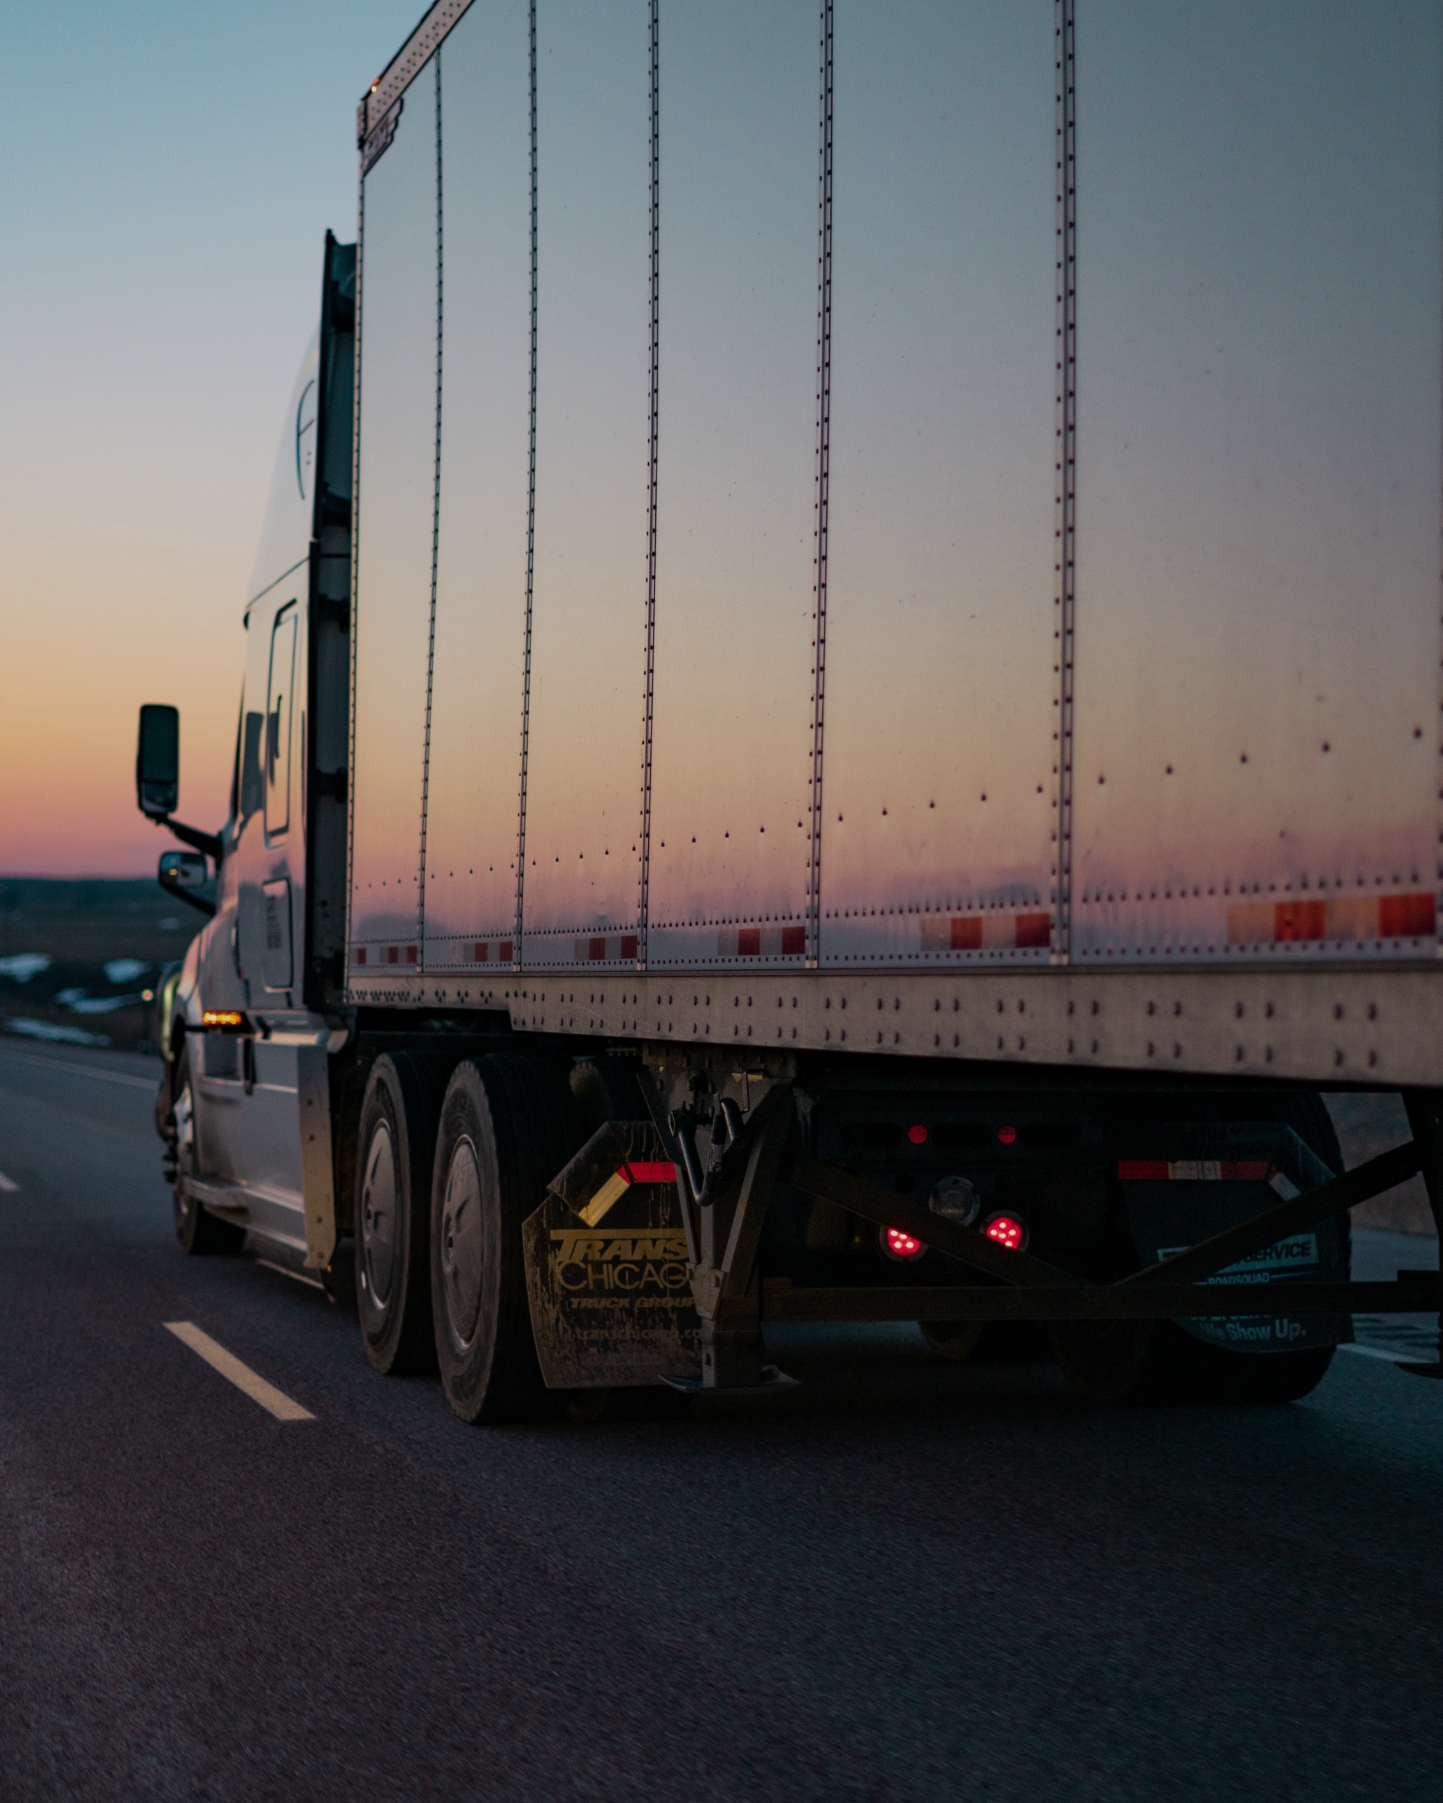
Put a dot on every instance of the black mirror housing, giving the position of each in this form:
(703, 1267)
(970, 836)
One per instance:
(157, 761)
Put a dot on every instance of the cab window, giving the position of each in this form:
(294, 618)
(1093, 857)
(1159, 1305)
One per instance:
(279, 711)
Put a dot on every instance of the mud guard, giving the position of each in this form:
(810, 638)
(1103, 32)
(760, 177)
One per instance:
(606, 1267)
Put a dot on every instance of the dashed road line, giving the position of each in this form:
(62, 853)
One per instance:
(275, 1401)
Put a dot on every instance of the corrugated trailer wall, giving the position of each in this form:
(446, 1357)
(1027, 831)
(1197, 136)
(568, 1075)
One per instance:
(748, 576)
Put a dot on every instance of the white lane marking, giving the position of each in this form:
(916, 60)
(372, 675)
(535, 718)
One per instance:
(7, 1183)
(83, 1070)
(285, 1271)
(215, 1355)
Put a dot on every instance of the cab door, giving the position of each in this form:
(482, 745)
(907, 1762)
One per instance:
(261, 1133)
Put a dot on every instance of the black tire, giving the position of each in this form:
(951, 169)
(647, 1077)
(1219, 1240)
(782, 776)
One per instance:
(952, 1339)
(198, 1233)
(1119, 1363)
(394, 1146)
(505, 1132)
(1127, 1363)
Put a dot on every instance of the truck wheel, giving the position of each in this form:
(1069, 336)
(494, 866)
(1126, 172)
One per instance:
(199, 1233)
(502, 1139)
(1116, 1363)
(952, 1339)
(393, 1273)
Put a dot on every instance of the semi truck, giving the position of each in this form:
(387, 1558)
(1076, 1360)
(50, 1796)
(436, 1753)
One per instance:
(841, 715)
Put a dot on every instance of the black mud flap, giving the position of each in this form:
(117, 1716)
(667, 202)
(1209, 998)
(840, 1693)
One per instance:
(606, 1267)
(1188, 1182)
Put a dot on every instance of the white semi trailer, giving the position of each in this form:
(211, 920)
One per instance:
(841, 717)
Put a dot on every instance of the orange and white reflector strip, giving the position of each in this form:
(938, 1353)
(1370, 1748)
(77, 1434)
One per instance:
(381, 957)
(606, 948)
(986, 932)
(620, 1181)
(1206, 1170)
(1341, 917)
(762, 942)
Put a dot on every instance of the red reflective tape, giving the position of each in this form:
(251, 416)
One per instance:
(641, 1172)
(393, 954)
(628, 945)
(794, 941)
(360, 954)
(1407, 917)
(410, 954)
(596, 950)
(1034, 930)
(1143, 1170)
(483, 951)
(749, 942)
(967, 933)
(1294, 921)
(503, 951)
(1249, 1171)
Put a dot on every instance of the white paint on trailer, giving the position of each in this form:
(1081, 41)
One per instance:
(273, 1401)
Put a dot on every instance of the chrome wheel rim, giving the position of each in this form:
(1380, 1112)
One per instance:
(378, 1216)
(462, 1243)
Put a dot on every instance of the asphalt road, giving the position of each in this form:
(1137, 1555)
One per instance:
(905, 1580)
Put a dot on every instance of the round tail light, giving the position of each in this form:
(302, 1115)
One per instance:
(1007, 1231)
(899, 1245)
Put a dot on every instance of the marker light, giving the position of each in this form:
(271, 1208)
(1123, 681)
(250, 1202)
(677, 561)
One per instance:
(1007, 1231)
(222, 1017)
(1006, 1136)
(917, 1134)
(899, 1245)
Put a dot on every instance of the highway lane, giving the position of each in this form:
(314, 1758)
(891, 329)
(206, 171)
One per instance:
(905, 1580)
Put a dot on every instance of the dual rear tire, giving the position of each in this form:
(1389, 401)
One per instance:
(443, 1187)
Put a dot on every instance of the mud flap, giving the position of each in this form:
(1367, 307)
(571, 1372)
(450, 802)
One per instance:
(606, 1267)
(1208, 1179)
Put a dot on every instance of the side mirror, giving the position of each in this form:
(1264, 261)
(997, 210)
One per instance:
(157, 764)
(183, 874)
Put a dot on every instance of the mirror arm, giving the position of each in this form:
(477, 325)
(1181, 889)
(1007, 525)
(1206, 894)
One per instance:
(209, 843)
(192, 901)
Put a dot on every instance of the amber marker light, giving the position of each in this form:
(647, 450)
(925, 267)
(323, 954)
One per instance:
(222, 1017)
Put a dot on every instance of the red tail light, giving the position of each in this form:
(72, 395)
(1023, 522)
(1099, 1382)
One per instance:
(1007, 1231)
(901, 1246)
(1006, 1136)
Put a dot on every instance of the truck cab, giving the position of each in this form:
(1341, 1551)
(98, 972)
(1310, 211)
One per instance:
(247, 1038)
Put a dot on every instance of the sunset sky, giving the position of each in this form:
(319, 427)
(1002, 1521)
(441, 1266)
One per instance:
(170, 173)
